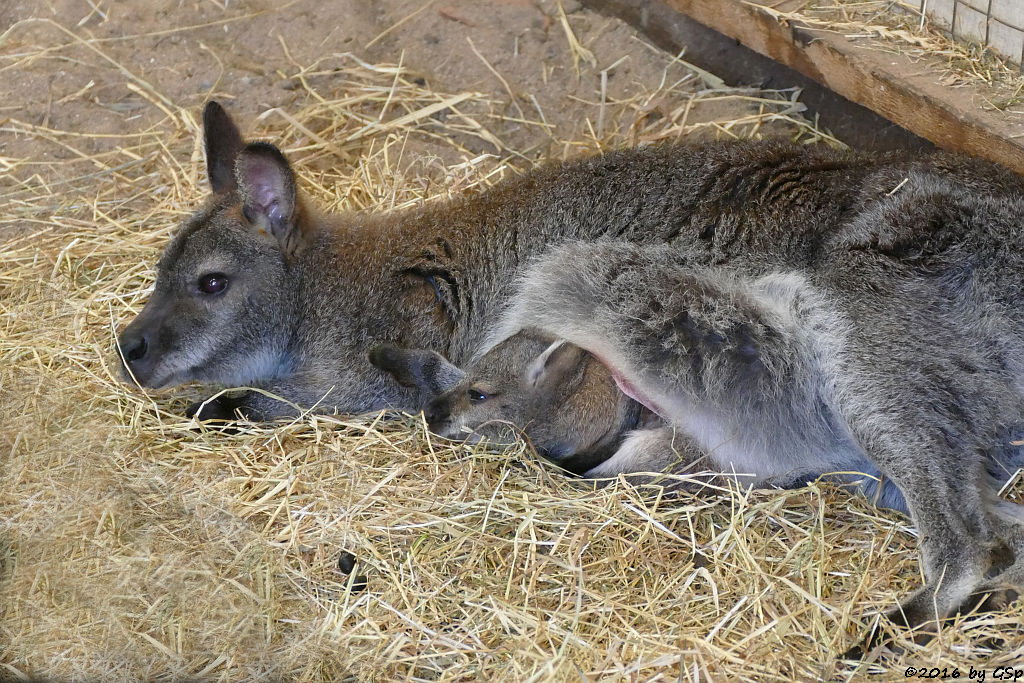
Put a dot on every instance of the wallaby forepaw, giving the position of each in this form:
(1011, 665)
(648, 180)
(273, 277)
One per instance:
(881, 644)
(876, 645)
(878, 641)
(217, 413)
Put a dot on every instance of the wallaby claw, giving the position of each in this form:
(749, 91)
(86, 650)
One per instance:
(879, 643)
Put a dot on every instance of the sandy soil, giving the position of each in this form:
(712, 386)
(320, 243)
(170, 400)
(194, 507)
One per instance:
(114, 70)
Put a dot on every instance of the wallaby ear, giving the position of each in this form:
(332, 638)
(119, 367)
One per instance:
(426, 370)
(223, 143)
(266, 185)
(558, 364)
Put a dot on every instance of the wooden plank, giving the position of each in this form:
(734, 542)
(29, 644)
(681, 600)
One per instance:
(708, 49)
(908, 93)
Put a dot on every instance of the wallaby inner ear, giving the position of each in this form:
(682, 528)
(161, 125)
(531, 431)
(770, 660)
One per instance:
(425, 370)
(266, 185)
(223, 142)
(558, 364)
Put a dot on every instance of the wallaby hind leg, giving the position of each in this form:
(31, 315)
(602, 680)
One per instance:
(1000, 562)
(729, 359)
(955, 556)
(933, 452)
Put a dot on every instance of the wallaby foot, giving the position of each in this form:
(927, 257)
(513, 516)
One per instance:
(220, 413)
(922, 614)
(965, 576)
(1003, 587)
(880, 640)
(994, 596)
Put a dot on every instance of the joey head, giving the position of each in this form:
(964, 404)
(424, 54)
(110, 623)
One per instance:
(556, 394)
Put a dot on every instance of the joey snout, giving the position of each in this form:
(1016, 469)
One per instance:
(448, 418)
(438, 416)
(448, 424)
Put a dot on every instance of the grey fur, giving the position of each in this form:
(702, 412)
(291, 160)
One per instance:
(910, 366)
(779, 378)
(309, 294)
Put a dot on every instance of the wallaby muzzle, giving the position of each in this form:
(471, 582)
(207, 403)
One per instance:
(140, 346)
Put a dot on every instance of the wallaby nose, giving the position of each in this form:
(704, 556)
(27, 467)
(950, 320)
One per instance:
(134, 349)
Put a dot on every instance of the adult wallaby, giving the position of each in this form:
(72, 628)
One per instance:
(260, 289)
(915, 265)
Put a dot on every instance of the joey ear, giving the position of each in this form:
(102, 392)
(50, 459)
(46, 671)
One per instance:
(426, 370)
(223, 142)
(558, 364)
(266, 185)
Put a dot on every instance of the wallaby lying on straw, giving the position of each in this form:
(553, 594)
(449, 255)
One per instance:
(260, 289)
(915, 370)
(907, 273)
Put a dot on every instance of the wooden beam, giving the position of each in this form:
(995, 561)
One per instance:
(903, 91)
(708, 49)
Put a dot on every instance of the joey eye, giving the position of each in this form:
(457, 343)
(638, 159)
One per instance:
(213, 283)
(475, 395)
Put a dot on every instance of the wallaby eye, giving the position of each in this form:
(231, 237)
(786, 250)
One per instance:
(213, 283)
(475, 395)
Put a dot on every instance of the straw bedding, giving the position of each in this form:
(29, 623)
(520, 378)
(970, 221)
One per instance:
(137, 545)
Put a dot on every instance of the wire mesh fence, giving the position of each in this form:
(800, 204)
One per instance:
(997, 24)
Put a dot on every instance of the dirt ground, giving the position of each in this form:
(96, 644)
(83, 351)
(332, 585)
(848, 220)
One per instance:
(135, 546)
(79, 78)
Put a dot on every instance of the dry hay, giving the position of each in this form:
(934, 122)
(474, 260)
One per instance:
(137, 545)
(898, 26)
